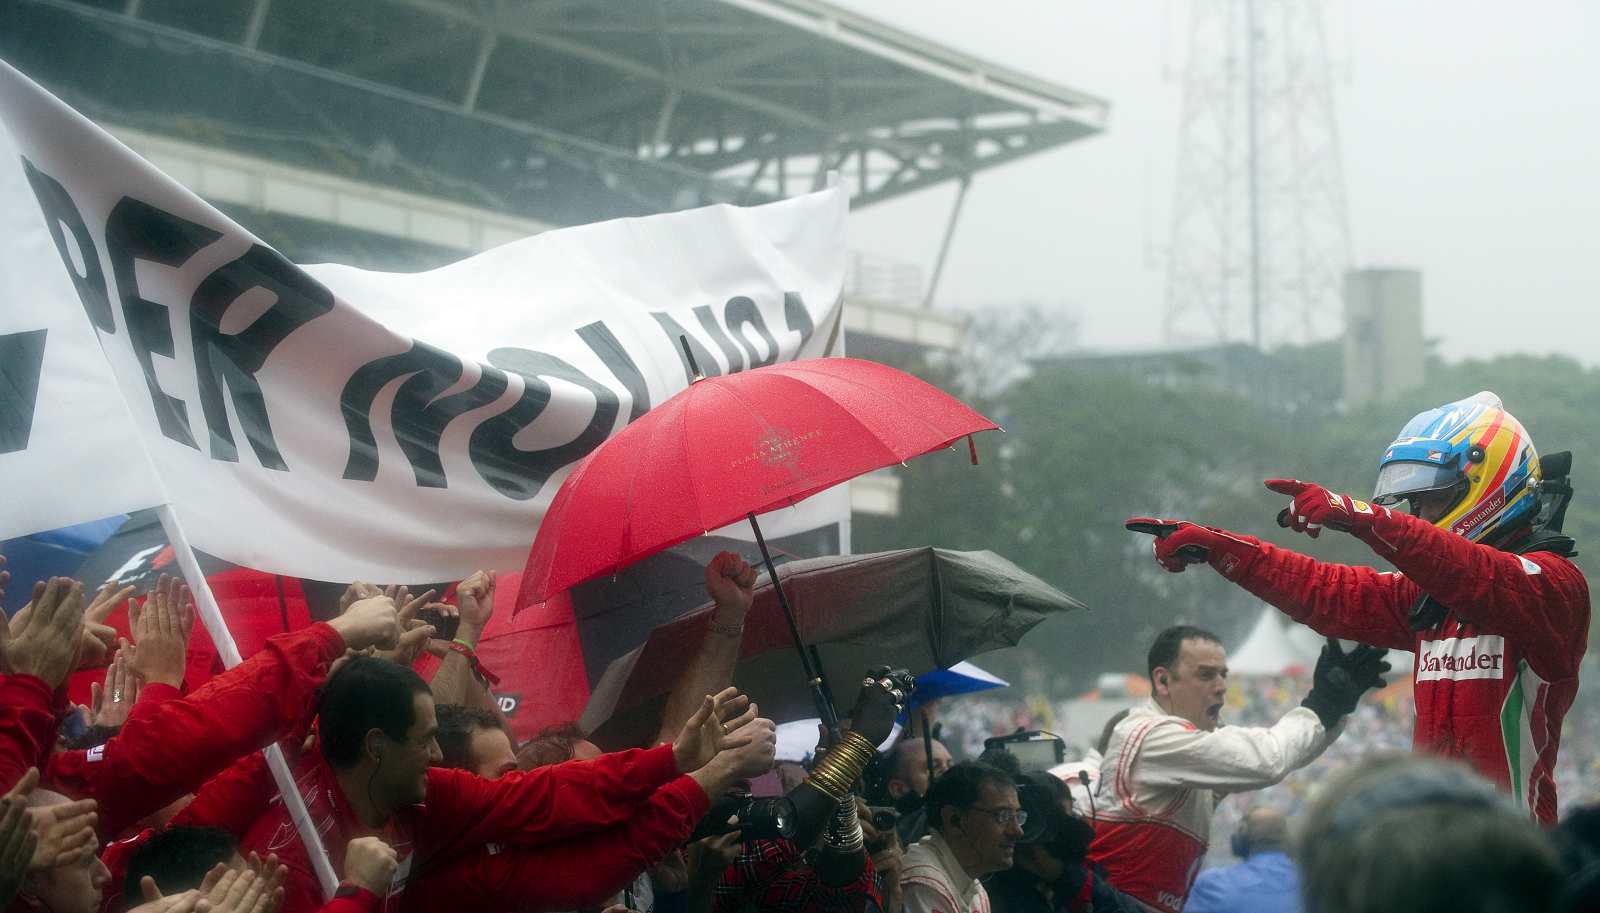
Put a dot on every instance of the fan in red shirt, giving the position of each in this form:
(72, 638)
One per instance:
(371, 775)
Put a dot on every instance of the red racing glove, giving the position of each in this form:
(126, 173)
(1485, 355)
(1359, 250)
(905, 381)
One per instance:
(1314, 507)
(1180, 543)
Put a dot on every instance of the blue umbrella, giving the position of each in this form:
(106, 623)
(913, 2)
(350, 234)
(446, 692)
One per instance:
(961, 678)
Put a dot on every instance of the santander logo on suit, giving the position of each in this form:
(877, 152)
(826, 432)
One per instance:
(1460, 658)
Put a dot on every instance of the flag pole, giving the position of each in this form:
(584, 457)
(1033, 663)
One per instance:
(211, 616)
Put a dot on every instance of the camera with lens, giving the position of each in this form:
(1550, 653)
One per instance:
(884, 820)
(1034, 750)
(444, 626)
(766, 818)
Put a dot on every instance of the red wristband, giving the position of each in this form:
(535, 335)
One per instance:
(478, 668)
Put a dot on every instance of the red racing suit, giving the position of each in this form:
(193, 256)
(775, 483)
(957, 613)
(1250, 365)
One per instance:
(27, 726)
(463, 812)
(498, 877)
(1494, 678)
(171, 746)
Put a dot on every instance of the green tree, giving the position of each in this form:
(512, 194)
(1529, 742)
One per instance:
(1086, 448)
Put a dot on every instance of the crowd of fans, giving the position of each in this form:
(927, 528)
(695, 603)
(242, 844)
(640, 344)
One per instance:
(1380, 725)
(159, 798)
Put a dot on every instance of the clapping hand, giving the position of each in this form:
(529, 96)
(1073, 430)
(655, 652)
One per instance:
(370, 863)
(713, 728)
(49, 640)
(161, 629)
(109, 704)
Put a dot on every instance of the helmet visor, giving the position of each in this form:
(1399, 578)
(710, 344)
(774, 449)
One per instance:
(1399, 480)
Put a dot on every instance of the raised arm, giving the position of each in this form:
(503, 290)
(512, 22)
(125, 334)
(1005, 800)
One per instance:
(37, 652)
(730, 582)
(1335, 600)
(547, 804)
(180, 744)
(568, 875)
(1167, 752)
(458, 680)
(1540, 601)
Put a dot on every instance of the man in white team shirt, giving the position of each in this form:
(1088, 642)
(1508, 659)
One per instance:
(1170, 760)
(975, 819)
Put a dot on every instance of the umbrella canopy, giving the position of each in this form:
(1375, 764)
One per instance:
(961, 678)
(731, 446)
(797, 740)
(617, 613)
(921, 609)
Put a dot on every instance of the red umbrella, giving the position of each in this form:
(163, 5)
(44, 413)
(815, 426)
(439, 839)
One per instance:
(735, 446)
(731, 446)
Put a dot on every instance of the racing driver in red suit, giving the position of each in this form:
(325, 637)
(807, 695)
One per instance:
(1486, 594)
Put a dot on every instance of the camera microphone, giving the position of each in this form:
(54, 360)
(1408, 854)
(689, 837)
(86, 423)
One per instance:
(1088, 789)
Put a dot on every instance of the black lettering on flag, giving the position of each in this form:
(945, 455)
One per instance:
(797, 317)
(708, 322)
(419, 415)
(138, 231)
(708, 365)
(518, 473)
(232, 359)
(21, 362)
(741, 312)
(61, 213)
(604, 344)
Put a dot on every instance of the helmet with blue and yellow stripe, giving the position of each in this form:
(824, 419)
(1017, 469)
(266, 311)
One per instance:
(1471, 456)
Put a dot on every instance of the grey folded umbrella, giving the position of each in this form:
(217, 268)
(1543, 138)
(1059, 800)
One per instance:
(919, 609)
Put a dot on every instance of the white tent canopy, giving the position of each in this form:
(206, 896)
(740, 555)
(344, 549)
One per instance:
(1272, 649)
(1278, 646)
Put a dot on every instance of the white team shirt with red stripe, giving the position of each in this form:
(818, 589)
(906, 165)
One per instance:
(934, 881)
(1159, 783)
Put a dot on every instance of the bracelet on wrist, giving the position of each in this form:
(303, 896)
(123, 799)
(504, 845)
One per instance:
(838, 770)
(484, 676)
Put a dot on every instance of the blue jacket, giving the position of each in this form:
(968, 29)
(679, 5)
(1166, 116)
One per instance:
(1267, 882)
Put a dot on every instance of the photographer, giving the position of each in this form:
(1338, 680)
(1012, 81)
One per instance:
(823, 862)
(1050, 870)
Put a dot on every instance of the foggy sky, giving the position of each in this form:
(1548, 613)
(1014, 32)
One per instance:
(1469, 146)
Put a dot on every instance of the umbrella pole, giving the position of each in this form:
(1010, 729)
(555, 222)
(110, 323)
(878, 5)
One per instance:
(819, 692)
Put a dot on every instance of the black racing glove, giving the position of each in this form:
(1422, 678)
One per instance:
(1341, 678)
(883, 697)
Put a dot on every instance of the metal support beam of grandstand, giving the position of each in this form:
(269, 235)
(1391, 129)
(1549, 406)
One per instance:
(561, 112)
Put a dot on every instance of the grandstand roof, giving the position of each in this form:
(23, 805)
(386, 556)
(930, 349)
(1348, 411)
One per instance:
(562, 111)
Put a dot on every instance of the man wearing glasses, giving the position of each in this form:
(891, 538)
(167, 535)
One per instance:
(1170, 760)
(975, 821)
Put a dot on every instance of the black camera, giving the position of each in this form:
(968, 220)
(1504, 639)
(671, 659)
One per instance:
(884, 820)
(1036, 750)
(444, 626)
(757, 819)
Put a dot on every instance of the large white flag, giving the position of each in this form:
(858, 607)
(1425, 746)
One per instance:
(335, 423)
